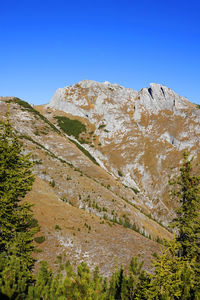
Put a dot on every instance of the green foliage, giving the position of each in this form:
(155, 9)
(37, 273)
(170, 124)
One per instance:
(102, 126)
(39, 239)
(177, 269)
(71, 127)
(16, 179)
(131, 285)
(174, 277)
(52, 183)
(15, 277)
(120, 173)
(17, 226)
(57, 227)
(33, 223)
(79, 285)
(187, 222)
(44, 287)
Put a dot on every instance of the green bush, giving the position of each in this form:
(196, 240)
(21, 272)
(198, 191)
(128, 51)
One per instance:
(120, 173)
(39, 239)
(57, 227)
(102, 126)
(52, 183)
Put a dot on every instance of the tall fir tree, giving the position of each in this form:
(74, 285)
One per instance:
(187, 221)
(177, 268)
(16, 179)
(173, 278)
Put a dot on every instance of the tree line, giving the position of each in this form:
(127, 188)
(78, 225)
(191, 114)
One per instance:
(176, 269)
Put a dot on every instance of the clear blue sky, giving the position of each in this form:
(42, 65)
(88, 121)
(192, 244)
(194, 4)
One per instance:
(45, 45)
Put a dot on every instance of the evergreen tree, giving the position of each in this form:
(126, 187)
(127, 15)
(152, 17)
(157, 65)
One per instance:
(137, 280)
(177, 268)
(16, 179)
(15, 277)
(187, 221)
(173, 276)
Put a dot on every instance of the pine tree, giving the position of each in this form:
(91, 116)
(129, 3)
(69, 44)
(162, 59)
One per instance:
(16, 179)
(15, 278)
(187, 221)
(177, 268)
(173, 276)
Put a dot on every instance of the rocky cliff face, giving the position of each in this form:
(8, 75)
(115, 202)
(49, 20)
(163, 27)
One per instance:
(141, 134)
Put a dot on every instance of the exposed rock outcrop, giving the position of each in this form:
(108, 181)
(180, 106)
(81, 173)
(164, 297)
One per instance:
(142, 134)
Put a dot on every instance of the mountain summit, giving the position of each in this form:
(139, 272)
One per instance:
(90, 95)
(141, 134)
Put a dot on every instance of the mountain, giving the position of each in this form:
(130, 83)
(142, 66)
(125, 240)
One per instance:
(139, 135)
(104, 154)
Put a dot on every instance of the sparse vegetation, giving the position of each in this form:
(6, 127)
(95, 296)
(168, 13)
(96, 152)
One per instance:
(135, 190)
(85, 152)
(26, 106)
(124, 221)
(67, 201)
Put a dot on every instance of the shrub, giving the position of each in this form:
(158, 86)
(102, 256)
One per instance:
(57, 227)
(52, 183)
(102, 126)
(39, 239)
(120, 173)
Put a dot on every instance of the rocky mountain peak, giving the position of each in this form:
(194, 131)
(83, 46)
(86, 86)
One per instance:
(89, 97)
(92, 84)
(115, 105)
(159, 97)
(132, 127)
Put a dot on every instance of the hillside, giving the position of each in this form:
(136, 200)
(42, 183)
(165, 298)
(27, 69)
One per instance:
(103, 157)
